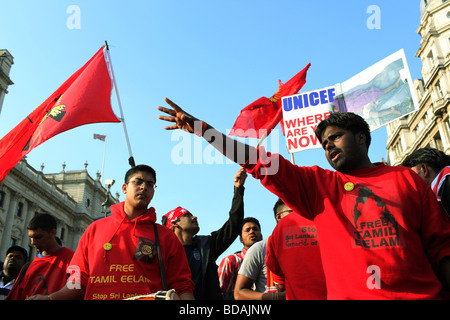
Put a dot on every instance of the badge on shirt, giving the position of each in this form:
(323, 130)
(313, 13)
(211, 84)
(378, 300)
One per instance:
(196, 254)
(145, 250)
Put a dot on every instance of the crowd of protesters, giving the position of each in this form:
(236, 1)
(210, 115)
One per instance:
(361, 231)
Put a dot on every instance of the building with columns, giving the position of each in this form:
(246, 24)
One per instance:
(74, 198)
(430, 125)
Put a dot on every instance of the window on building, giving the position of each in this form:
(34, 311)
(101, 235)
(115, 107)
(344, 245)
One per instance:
(416, 131)
(63, 231)
(430, 57)
(426, 117)
(439, 89)
(419, 127)
(2, 198)
(401, 144)
(398, 149)
(19, 209)
(438, 141)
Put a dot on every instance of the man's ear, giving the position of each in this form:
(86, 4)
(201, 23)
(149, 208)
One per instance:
(174, 224)
(427, 172)
(124, 188)
(361, 138)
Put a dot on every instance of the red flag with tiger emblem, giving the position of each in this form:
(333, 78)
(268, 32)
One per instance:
(263, 115)
(82, 99)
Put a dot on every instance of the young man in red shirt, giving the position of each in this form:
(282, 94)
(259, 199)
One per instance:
(48, 270)
(383, 234)
(117, 257)
(293, 256)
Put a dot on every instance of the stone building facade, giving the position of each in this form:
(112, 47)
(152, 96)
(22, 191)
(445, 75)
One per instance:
(430, 125)
(74, 198)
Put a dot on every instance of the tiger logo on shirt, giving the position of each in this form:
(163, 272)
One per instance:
(145, 250)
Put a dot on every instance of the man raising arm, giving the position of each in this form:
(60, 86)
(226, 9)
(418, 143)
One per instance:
(388, 232)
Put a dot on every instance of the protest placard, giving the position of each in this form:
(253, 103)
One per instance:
(301, 115)
(380, 94)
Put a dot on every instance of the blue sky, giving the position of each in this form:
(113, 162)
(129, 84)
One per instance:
(212, 58)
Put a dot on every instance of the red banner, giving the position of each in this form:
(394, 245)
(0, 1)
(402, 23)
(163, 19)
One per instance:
(82, 99)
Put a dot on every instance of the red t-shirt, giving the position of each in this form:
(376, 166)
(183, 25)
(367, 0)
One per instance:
(228, 270)
(45, 275)
(117, 258)
(293, 255)
(382, 232)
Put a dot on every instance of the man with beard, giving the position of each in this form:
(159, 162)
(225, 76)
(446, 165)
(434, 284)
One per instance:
(401, 231)
(15, 259)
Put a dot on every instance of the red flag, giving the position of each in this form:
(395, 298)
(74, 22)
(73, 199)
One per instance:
(82, 99)
(263, 115)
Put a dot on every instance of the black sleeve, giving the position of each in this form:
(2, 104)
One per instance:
(225, 236)
(445, 195)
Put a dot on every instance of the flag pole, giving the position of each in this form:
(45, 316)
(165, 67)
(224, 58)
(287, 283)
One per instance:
(264, 136)
(103, 163)
(131, 159)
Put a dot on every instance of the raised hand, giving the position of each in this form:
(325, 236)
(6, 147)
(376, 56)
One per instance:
(239, 178)
(182, 119)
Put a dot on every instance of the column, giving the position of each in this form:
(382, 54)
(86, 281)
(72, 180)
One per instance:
(28, 215)
(9, 219)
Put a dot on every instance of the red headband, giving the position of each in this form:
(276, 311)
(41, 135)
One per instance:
(174, 215)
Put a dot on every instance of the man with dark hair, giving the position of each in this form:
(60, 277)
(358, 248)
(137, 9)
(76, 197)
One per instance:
(203, 251)
(338, 127)
(16, 257)
(251, 281)
(44, 222)
(127, 254)
(433, 166)
(293, 257)
(229, 266)
(139, 168)
(48, 271)
(280, 210)
(379, 226)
